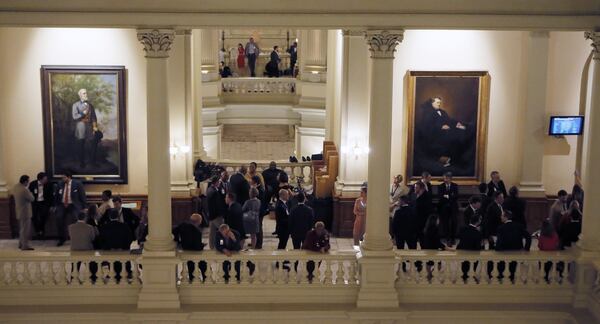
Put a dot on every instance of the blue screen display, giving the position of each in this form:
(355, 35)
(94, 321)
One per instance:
(566, 125)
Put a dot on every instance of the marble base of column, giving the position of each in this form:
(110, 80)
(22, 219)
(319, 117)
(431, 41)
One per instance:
(159, 289)
(377, 280)
(532, 190)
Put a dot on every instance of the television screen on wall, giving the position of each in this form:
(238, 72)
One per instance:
(566, 125)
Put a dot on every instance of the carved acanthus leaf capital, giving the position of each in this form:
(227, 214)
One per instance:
(157, 42)
(382, 43)
(594, 36)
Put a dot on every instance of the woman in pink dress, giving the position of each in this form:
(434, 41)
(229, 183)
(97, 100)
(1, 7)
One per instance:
(360, 214)
(240, 58)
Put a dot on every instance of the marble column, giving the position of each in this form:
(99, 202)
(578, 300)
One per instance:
(590, 240)
(534, 124)
(382, 46)
(196, 94)
(159, 289)
(377, 260)
(312, 54)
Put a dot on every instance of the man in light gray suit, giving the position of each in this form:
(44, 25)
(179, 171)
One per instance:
(23, 200)
(82, 234)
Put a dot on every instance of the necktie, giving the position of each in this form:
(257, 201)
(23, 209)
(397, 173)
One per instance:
(67, 193)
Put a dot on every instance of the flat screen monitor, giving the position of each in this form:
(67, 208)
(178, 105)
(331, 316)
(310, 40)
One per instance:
(566, 125)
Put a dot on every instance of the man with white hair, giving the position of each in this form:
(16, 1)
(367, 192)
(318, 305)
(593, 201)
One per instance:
(85, 127)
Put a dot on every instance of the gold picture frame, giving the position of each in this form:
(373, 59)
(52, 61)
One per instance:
(459, 147)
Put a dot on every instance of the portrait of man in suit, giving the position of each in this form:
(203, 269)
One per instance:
(448, 113)
(84, 122)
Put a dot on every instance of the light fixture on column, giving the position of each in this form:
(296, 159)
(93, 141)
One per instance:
(355, 150)
(175, 150)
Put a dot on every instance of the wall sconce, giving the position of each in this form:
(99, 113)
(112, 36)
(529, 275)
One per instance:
(355, 150)
(176, 150)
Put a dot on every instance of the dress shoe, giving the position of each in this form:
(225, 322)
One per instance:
(27, 249)
(308, 158)
(291, 159)
(303, 159)
(60, 243)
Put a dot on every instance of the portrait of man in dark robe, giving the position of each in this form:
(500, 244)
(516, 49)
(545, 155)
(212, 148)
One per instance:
(446, 122)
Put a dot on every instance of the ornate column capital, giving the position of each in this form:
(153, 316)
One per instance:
(382, 43)
(594, 36)
(157, 42)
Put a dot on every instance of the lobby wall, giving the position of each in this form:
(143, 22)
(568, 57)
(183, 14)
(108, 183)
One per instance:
(501, 53)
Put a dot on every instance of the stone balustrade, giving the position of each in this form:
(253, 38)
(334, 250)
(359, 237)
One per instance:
(209, 277)
(258, 88)
(302, 170)
(42, 276)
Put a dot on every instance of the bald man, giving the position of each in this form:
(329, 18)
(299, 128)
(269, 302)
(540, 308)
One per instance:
(189, 234)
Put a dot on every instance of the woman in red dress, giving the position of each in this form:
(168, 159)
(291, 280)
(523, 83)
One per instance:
(240, 58)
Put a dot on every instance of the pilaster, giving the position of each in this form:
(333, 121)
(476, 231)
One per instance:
(534, 134)
(313, 55)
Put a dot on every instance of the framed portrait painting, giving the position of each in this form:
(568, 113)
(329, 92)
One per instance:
(85, 122)
(447, 124)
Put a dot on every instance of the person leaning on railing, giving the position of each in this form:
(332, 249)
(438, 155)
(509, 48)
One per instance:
(317, 240)
(228, 241)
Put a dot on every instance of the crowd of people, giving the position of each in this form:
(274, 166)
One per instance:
(248, 55)
(233, 209)
(235, 205)
(89, 226)
(492, 219)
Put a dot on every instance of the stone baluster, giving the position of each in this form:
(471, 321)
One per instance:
(209, 279)
(339, 274)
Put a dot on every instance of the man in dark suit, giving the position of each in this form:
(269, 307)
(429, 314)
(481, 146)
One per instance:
(515, 205)
(470, 236)
(271, 176)
(492, 218)
(485, 200)
(115, 235)
(189, 234)
(239, 185)
(496, 184)
(43, 198)
(273, 65)
(448, 207)
(282, 216)
(302, 219)
(510, 238)
(569, 232)
(474, 208)
(404, 225)
(445, 136)
(125, 216)
(423, 208)
(511, 235)
(70, 201)
(470, 239)
(234, 216)
(293, 50)
(229, 241)
(215, 200)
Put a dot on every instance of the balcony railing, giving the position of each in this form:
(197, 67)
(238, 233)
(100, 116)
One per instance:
(523, 273)
(303, 170)
(260, 89)
(263, 275)
(40, 277)
(209, 277)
